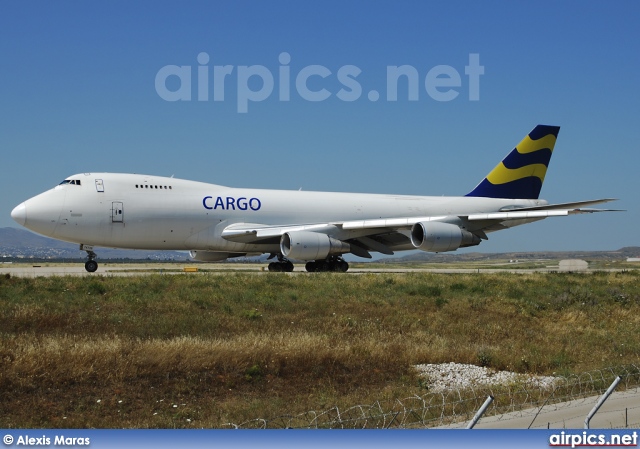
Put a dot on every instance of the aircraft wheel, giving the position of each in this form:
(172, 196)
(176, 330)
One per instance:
(288, 266)
(310, 267)
(281, 267)
(91, 266)
(343, 266)
(322, 266)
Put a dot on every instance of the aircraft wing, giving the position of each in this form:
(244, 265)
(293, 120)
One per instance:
(383, 235)
(259, 233)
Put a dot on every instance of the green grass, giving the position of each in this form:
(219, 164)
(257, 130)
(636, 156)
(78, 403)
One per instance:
(112, 352)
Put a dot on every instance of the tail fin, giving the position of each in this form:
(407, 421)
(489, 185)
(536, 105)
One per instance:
(521, 173)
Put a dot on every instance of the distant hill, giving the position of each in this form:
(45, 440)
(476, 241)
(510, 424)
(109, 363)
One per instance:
(19, 243)
(620, 254)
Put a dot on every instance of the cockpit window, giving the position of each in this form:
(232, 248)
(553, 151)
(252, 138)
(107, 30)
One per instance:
(75, 182)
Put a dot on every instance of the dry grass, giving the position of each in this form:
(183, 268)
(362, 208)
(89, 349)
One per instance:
(204, 350)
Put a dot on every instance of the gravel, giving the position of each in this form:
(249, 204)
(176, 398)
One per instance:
(456, 376)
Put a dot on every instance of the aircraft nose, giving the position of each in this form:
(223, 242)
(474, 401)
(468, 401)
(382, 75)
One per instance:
(19, 214)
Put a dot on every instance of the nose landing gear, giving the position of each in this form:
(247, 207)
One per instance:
(90, 265)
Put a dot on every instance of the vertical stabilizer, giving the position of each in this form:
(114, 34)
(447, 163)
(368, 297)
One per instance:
(521, 173)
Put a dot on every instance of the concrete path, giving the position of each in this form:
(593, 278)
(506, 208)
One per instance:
(621, 410)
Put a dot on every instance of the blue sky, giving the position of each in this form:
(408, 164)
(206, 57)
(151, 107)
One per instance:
(79, 95)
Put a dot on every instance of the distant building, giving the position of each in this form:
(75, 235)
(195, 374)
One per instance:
(633, 259)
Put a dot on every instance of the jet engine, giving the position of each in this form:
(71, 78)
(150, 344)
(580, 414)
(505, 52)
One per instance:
(210, 256)
(305, 245)
(436, 237)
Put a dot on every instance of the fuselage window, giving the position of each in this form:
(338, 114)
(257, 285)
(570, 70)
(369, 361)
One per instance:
(146, 186)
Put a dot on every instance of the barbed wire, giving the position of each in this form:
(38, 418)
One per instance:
(454, 405)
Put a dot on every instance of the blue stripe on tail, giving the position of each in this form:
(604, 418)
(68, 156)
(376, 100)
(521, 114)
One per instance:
(522, 172)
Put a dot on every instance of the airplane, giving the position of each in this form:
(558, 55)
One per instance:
(215, 222)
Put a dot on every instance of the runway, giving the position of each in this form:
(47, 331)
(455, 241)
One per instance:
(127, 269)
(121, 269)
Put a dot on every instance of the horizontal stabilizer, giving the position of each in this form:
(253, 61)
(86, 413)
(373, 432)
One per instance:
(550, 210)
(573, 205)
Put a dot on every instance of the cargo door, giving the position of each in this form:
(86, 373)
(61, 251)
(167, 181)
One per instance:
(117, 212)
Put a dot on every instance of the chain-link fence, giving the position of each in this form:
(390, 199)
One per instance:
(453, 406)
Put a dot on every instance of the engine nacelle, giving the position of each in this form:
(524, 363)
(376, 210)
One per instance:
(209, 256)
(305, 245)
(436, 237)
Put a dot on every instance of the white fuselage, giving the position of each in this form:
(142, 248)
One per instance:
(151, 212)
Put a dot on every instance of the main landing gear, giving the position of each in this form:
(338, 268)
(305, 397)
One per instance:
(334, 263)
(331, 264)
(282, 265)
(90, 265)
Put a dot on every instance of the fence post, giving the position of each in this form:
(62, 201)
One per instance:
(480, 412)
(603, 398)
